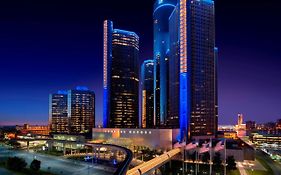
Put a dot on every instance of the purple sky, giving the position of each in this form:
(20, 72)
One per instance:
(50, 45)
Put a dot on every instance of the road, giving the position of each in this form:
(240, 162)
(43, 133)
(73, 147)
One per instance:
(276, 167)
(241, 169)
(5, 172)
(58, 165)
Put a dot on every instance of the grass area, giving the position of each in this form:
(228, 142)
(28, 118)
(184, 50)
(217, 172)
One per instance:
(257, 172)
(234, 172)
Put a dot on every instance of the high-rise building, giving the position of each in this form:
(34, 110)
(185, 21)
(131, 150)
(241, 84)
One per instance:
(58, 119)
(121, 77)
(147, 112)
(162, 12)
(198, 110)
(81, 110)
(174, 67)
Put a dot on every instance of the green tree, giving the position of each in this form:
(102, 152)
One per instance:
(231, 164)
(16, 163)
(35, 165)
(217, 162)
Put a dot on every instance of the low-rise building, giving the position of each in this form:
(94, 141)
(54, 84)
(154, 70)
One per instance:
(66, 143)
(150, 138)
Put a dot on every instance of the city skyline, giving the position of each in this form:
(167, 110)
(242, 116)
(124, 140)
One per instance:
(33, 102)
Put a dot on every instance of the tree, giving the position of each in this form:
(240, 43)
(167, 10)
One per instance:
(35, 165)
(206, 157)
(16, 163)
(14, 143)
(231, 164)
(217, 162)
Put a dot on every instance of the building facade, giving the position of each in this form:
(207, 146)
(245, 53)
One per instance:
(81, 110)
(121, 77)
(163, 139)
(198, 110)
(174, 67)
(162, 11)
(58, 118)
(147, 77)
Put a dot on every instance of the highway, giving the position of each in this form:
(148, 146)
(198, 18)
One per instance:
(58, 165)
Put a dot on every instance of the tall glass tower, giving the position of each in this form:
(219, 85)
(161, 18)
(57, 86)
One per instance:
(161, 14)
(198, 94)
(174, 67)
(147, 77)
(121, 77)
(81, 110)
(58, 118)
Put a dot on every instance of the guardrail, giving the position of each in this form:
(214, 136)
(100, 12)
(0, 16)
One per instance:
(123, 167)
(153, 163)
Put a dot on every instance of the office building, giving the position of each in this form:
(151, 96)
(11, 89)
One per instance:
(121, 77)
(174, 67)
(81, 110)
(147, 111)
(198, 58)
(161, 14)
(58, 119)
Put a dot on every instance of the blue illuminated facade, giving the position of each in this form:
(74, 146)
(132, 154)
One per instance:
(198, 62)
(174, 67)
(161, 14)
(121, 77)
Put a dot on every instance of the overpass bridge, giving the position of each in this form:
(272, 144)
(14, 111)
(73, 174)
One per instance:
(153, 164)
(122, 169)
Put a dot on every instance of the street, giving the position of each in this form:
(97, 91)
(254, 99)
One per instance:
(57, 165)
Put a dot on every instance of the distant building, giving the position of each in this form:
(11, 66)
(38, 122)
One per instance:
(121, 78)
(250, 125)
(147, 112)
(240, 119)
(58, 118)
(43, 130)
(81, 110)
(266, 140)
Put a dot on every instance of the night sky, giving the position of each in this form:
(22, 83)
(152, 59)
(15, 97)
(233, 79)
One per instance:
(50, 45)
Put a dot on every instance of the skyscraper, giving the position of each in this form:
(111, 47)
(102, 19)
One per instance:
(121, 77)
(198, 110)
(161, 14)
(81, 110)
(147, 74)
(58, 118)
(174, 67)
